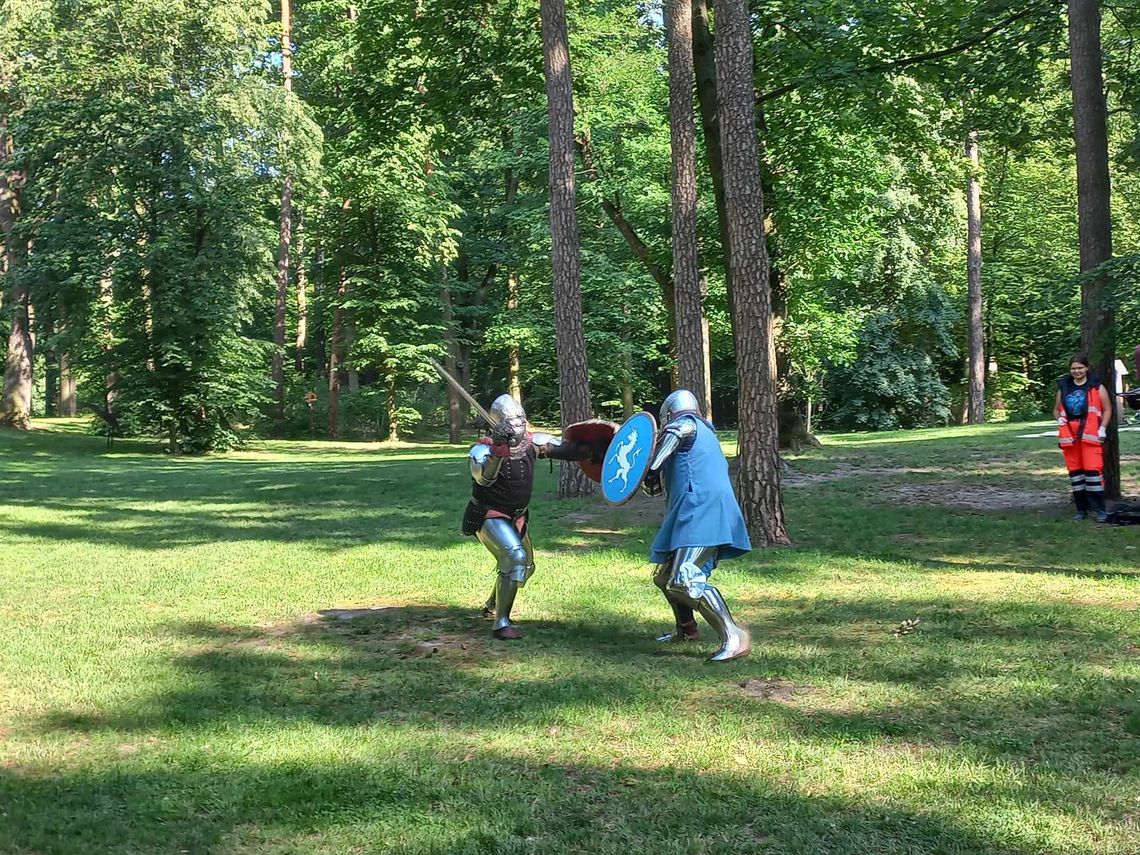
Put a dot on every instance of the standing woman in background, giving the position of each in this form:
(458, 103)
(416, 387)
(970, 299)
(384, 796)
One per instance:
(1083, 410)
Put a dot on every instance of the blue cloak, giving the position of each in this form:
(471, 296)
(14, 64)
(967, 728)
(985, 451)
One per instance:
(701, 508)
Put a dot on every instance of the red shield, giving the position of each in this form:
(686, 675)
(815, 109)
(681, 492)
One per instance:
(595, 432)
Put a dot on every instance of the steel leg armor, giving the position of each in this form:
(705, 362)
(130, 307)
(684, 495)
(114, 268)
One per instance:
(684, 623)
(515, 557)
(734, 641)
(687, 587)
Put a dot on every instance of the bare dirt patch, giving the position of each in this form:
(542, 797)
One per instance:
(638, 511)
(792, 478)
(976, 498)
(401, 631)
(350, 614)
(423, 649)
(779, 691)
(407, 631)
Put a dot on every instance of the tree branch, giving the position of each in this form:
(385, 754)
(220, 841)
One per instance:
(895, 65)
(617, 217)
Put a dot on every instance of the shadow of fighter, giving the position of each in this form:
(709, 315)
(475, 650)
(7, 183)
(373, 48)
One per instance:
(502, 480)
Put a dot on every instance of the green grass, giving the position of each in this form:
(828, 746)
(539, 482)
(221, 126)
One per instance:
(168, 685)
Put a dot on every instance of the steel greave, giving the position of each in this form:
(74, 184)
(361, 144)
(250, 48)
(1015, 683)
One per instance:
(734, 641)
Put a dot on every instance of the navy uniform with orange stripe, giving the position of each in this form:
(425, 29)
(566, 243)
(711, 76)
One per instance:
(1081, 420)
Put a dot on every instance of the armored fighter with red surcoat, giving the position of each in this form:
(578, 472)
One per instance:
(502, 481)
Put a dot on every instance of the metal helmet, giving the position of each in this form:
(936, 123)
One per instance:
(510, 417)
(679, 402)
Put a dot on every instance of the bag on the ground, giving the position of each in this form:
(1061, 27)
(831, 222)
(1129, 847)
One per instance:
(1125, 515)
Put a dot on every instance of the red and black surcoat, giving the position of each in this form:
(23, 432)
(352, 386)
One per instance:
(510, 493)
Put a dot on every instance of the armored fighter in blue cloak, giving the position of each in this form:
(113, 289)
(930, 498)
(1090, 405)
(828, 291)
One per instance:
(703, 525)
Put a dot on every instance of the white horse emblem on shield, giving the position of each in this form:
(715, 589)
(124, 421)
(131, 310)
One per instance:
(624, 464)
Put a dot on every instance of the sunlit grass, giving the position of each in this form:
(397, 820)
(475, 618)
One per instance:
(167, 682)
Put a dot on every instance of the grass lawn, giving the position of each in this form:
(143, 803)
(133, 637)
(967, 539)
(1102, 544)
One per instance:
(169, 684)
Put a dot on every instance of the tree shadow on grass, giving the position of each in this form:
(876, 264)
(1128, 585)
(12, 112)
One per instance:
(416, 496)
(464, 799)
(992, 680)
(1046, 683)
(156, 504)
(860, 525)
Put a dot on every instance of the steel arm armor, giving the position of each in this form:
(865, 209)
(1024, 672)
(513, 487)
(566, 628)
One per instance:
(545, 443)
(678, 434)
(557, 448)
(485, 466)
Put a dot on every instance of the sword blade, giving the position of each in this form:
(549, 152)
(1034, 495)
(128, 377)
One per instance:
(463, 393)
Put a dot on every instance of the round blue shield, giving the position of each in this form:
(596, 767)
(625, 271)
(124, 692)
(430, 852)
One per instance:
(628, 457)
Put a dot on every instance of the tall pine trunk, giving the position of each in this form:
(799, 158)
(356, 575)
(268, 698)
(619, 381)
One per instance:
(348, 360)
(454, 413)
(573, 374)
(514, 368)
(320, 324)
(68, 406)
(335, 352)
(511, 190)
(16, 394)
(682, 136)
(1093, 208)
(758, 482)
(47, 328)
(704, 66)
(285, 236)
(390, 405)
(111, 372)
(302, 296)
(976, 397)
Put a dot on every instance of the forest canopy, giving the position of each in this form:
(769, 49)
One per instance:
(225, 219)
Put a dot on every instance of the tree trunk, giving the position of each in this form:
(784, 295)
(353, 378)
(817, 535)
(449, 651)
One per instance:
(67, 402)
(682, 136)
(514, 370)
(51, 369)
(16, 396)
(335, 353)
(789, 424)
(111, 377)
(627, 385)
(706, 347)
(573, 374)
(393, 418)
(320, 335)
(279, 306)
(758, 482)
(704, 62)
(1093, 208)
(454, 415)
(511, 187)
(302, 296)
(284, 240)
(976, 402)
(347, 359)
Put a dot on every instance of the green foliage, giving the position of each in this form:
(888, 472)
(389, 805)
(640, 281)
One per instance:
(894, 382)
(157, 135)
(1014, 396)
(150, 165)
(187, 664)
